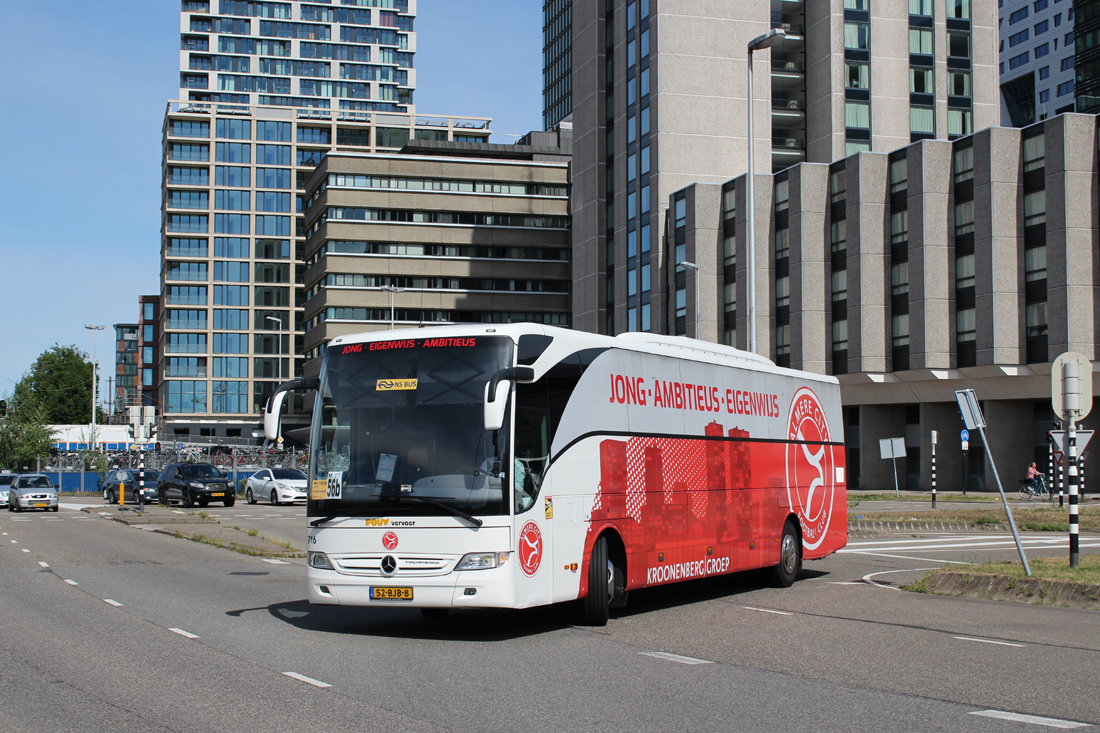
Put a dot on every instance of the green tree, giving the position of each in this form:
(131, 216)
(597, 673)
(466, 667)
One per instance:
(59, 383)
(24, 434)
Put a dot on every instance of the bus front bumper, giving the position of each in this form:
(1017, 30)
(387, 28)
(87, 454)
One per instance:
(456, 589)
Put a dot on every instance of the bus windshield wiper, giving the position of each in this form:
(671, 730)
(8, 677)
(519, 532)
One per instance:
(449, 509)
(322, 520)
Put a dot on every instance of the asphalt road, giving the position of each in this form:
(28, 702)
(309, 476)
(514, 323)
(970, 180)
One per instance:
(205, 639)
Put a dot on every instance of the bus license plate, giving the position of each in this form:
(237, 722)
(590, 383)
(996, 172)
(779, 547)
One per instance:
(221, 494)
(391, 594)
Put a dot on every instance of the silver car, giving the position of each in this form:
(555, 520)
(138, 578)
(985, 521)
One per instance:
(277, 485)
(6, 477)
(32, 491)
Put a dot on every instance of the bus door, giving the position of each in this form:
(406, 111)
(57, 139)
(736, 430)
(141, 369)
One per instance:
(532, 505)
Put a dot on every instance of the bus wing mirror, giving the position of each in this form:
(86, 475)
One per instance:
(496, 394)
(275, 403)
(496, 404)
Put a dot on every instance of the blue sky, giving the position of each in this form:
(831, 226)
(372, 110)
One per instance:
(80, 190)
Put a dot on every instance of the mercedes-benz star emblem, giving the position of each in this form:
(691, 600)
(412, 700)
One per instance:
(389, 565)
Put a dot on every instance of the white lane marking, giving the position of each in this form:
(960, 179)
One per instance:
(26, 550)
(919, 559)
(43, 564)
(1033, 719)
(675, 658)
(987, 641)
(4, 533)
(112, 602)
(71, 582)
(181, 632)
(1053, 542)
(767, 610)
(307, 680)
(275, 562)
(13, 542)
(868, 576)
(845, 582)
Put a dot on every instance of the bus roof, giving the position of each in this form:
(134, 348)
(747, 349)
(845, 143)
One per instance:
(677, 347)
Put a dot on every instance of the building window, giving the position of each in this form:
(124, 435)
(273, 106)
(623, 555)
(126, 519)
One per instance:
(920, 7)
(857, 36)
(1017, 61)
(857, 115)
(1065, 88)
(857, 75)
(959, 9)
(959, 122)
(920, 41)
(922, 120)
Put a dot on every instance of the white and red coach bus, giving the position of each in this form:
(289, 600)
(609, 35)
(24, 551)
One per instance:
(521, 465)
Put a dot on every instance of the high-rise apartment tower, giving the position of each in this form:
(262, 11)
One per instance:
(660, 97)
(267, 90)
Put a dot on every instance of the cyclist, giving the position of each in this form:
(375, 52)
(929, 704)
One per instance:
(1033, 478)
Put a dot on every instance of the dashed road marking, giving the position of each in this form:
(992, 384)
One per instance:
(845, 582)
(676, 658)
(181, 632)
(767, 610)
(1032, 719)
(13, 542)
(987, 641)
(71, 582)
(307, 680)
(25, 550)
(112, 602)
(44, 564)
(275, 562)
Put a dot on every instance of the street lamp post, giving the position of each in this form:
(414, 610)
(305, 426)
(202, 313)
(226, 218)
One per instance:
(694, 268)
(772, 38)
(95, 376)
(391, 289)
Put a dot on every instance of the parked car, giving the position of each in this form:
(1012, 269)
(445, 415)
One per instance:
(128, 477)
(277, 485)
(5, 484)
(194, 483)
(32, 491)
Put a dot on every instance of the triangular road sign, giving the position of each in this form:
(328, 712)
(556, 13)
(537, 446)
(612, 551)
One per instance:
(1059, 436)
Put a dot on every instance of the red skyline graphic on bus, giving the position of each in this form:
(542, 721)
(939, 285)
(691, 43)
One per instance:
(686, 500)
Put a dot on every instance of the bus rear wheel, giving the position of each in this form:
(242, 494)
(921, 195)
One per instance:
(790, 557)
(601, 586)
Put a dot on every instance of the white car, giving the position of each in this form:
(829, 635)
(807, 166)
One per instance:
(277, 485)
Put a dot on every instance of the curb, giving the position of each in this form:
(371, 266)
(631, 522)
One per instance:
(1021, 590)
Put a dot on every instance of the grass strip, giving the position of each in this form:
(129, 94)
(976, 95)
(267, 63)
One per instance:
(1028, 519)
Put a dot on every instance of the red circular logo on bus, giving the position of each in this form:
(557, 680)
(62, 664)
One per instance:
(811, 466)
(389, 541)
(530, 548)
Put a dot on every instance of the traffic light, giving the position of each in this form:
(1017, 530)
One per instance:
(156, 447)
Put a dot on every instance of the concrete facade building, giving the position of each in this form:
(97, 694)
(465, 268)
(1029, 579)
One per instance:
(909, 274)
(1036, 59)
(659, 102)
(268, 89)
(443, 233)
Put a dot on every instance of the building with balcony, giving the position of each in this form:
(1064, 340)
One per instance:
(442, 233)
(660, 96)
(267, 91)
(126, 382)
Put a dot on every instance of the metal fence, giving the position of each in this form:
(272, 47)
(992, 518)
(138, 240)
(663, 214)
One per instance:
(70, 471)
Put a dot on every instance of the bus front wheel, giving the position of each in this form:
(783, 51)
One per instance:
(790, 557)
(601, 586)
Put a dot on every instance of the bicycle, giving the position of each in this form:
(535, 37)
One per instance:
(1027, 491)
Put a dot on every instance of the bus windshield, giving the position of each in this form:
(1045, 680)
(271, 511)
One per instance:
(398, 429)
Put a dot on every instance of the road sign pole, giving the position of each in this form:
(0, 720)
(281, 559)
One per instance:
(933, 469)
(141, 476)
(1071, 455)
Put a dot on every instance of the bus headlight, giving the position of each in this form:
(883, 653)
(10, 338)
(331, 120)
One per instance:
(320, 561)
(482, 561)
